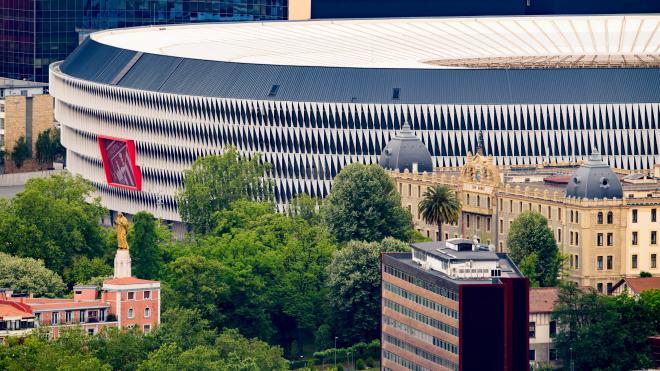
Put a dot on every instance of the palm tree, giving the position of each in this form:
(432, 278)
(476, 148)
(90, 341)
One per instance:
(440, 205)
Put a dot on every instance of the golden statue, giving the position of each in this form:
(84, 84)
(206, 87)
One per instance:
(121, 225)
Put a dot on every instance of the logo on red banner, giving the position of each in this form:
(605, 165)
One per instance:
(119, 162)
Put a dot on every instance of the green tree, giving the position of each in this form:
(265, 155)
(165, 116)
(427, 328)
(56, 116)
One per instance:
(83, 270)
(186, 328)
(29, 276)
(20, 153)
(52, 220)
(123, 349)
(364, 205)
(303, 206)
(530, 234)
(214, 182)
(196, 282)
(353, 280)
(232, 345)
(602, 332)
(170, 357)
(145, 251)
(45, 147)
(440, 205)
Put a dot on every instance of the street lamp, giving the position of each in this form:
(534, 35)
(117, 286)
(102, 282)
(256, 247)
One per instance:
(335, 352)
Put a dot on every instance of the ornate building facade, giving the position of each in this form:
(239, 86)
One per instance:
(604, 220)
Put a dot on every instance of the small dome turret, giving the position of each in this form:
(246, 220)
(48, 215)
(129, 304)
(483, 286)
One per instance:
(406, 151)
(594, 180)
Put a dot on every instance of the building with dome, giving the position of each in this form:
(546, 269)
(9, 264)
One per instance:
(137, 106)
(604, 219)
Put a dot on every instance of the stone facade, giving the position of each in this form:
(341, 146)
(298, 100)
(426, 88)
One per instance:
(604, 240)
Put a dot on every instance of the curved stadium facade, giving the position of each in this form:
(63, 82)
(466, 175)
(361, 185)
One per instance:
(314, 96)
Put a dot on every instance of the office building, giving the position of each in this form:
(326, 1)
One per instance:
(334, 93)
(604, 220)
(453, 305)
(36, 33)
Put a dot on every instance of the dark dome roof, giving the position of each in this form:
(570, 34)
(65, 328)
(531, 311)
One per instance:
(404, 150)
(594, 180)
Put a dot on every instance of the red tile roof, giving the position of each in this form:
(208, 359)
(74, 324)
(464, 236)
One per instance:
(127, 281)
(542, 299)
(641, 284)
(9, 309)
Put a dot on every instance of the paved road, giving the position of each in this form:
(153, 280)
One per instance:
(11, 191)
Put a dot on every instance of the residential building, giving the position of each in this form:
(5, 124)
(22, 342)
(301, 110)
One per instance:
(316, 108)
(604, 220)
(13, 88)
(453, 305)
(634, 286)
(16, 319)
(542, 327)
(36, 33)
(123, 301)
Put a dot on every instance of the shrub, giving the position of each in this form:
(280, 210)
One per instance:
(360, 364)
(370, 362)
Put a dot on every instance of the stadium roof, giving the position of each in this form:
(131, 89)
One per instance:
(492, 42)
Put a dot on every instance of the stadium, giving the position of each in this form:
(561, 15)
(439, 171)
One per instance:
(138, 106)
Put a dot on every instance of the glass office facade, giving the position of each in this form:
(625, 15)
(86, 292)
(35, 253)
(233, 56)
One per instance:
(36, 33)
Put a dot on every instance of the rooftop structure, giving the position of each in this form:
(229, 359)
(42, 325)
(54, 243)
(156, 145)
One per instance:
(594, 180)
(406, 152)
(635, 285)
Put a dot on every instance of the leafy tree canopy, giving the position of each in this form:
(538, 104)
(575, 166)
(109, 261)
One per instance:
(533, 248)
(364, 205)
(28, 275)
(21, 152)
(353, 280)
(52, 220)
(603, 332)
(84, 270)
(214, 182)
(145, 246)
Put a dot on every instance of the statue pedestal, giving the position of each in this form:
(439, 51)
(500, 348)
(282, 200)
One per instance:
(122, 264)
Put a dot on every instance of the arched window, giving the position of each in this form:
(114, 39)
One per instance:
(610, 217)
(600, 217)
(130, 313)
(147, 312)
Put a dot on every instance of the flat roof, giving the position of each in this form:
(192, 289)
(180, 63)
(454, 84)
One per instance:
(6, 83)
(426, 43)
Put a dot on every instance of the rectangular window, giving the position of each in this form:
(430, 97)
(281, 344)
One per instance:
(577, 262)
(572, 238)
(68, 316)
(532, 355)
(599, 263)
(146, 295)
(600, 217)
(511, 205)
(478, 222)
(610, 261)
(467, 220)
(549, 213)
(634, 261)
(654, 237)
(634, 238)
(634, 216)
(488, 224)
(553, 329)
(559, 213)
(610, 239)
(396, 93)
(532, 330)
(599, 287)
(654, 215)
(147, 329)
(577, 239)
(654, 260)
(54, 318)
(559, 235)
(419, 191)
(131, 295)
(81, 316)
(599, 239)
(501, 226)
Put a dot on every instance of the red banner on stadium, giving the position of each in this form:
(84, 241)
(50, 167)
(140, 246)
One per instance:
(119, 162)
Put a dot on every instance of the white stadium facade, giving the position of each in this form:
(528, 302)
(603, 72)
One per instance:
(314, 96)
